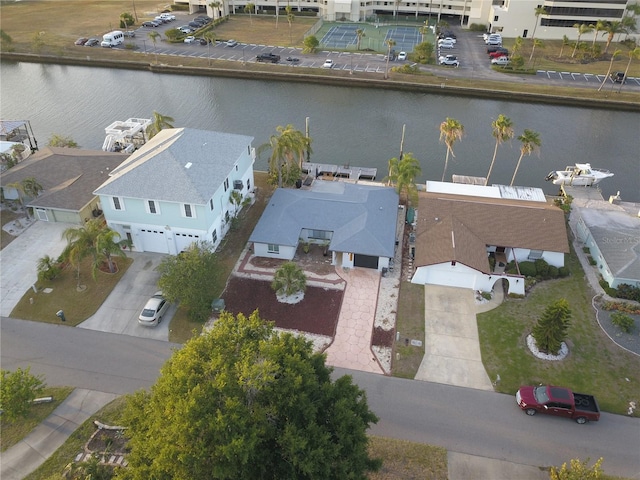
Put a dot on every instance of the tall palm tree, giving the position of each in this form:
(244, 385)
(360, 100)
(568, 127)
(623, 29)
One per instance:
(249, 8)
(530, 144)
(154, 38)
(215, 8)
(390, 44)
(288, 149)
(402, 174)
(583, 28)
(359, 35)
(536, 43)
(613, 57)
(517, 45)
(31, 187)
(290, 18)
(565, 42)
(611, 29)
(502, 130)
(19, 187)
(106, 245)
(423, 31)
(451, 130)
(537, 12)
(289, 279)
(597, 27)
(159, 122)
(633, 54)
(81, 243)
(210, 37)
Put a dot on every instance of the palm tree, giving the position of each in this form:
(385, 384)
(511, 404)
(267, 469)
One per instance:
(287, 149)
(402, 174)
(359, 35)
(31, 187)
(635, 53)
(450, 131)
(106, 246)
(530, 144)
(517, 45)
(159, 122)
(565, 42)
(19, 187)
(536, 43)
(215, 7)
(502, 131)
(538, 11)
(81, 242)
(249, 8)
(582, 29)
(390, 44)
(611, 29)
(289, 279)
(210, 37)
(613, 57)
(47, 268)
(423, 31)
(597, 27)
(154, 38)
(290, 18)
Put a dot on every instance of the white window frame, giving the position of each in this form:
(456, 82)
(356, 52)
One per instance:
(273, 248)
(192, 210)
(156, 206)
(120, 205)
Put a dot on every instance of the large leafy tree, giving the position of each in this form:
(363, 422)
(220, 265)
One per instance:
(192, 279)
(244, 401)
(551, 329)
(530, 144)
(311, 44)
(502, 130)
(451, 130)
(159, 122)
(17, 391)
(403, 174)
(288, 150)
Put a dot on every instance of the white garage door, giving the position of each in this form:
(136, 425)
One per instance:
(153, 241)
(451, 279)
(183, 240)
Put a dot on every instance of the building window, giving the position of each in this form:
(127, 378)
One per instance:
(118, 203)
(211, 204)
(189, 211)
(272, 248)
(226, 185)
(495, 19)
(319, 234)
(152, 207)
(214, 236)
(248, 184)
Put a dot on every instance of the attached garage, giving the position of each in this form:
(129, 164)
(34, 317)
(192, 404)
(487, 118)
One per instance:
(153, 240)
(184, 240)
(366, 261)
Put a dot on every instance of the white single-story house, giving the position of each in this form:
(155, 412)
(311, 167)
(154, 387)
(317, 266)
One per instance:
(612, 234)
(182, 186)
(356, 222)
(68, 177)
(455, 234)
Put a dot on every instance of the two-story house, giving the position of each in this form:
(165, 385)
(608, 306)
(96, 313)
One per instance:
(178, 189)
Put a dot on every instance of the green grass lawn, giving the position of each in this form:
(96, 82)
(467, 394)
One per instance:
(410, 325)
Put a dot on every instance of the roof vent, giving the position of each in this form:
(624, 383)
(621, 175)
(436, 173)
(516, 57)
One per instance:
(188, 165)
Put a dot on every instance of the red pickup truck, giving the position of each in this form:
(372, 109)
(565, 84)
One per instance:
(558, 401)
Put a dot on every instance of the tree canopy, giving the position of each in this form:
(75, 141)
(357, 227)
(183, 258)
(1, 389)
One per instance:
(245, 401)
(17, 391)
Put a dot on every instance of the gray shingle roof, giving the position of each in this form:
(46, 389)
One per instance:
(361, 217)
(181, 165)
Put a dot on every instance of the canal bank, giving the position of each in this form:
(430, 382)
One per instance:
(397, 82)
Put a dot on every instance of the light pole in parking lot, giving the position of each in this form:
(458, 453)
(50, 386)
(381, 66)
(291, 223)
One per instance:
(243, 54)
(144, 44)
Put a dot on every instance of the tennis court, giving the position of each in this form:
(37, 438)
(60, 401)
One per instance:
(341, 36)
(405, 37)
(344, 37)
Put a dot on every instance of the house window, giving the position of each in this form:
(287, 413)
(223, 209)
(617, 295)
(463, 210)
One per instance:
(211, 204)
(226, 185)
(189, 211)
(320, 234)
(118, 203)
(236, 167)
(272, 248)
(226, 216)
(152, 207)
(495, 19)
(248, 184)
(214, 236)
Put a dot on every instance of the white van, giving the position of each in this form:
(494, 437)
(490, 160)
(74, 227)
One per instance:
(112, 39)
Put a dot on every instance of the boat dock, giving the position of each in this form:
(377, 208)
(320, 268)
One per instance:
(345, 171)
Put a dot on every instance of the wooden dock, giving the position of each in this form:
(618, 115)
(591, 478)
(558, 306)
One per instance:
(345, 171)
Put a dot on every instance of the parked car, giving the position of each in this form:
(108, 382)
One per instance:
(293, 59)
(447, 45)
(231, 43)
(402, 56)
(153, 311)
(168, 16)
(204, 18)
(190, 39)
(268, 57)
(449, 60)
(499, 52)
(195, 25)
(161, 19)
(92, 42)
(203, 41)
(494, 40)
(81, 41)
(328, 63)
(618, 77)
(185, 29)
(501, 61)
(447, 39)
(558, 401)
(129, 33)
(149, 24)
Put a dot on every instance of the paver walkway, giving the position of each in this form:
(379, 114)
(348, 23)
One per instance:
(351, 347)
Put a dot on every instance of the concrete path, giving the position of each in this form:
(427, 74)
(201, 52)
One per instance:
(452, 346)
(351, 347)
(27, 455)
(19, 260)
(469, 467)
(119, 312)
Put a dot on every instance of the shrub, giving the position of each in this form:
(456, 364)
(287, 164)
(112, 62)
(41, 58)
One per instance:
(563, 272)
(623, 321)
(492, 263)
(528, 269)
(586, 250)
(622, 307)
(478, 27)
(591, 260)
(542, 268)
(407, 68)
(551, 329)
(511, 268)
(628, 292)
(553, 272)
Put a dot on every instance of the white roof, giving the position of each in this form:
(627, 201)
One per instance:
(490, 191)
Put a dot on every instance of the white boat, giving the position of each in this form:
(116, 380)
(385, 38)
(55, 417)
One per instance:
(126, 136)
(580, 174)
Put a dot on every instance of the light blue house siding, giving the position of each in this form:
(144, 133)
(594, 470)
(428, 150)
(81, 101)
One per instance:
(176, 189)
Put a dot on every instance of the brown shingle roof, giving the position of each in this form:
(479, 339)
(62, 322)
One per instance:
(455, 227)
(68, 175)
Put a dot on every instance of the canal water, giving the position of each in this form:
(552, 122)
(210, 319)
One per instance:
(354, 126)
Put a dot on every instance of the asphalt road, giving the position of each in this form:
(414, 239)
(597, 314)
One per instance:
(462, 420)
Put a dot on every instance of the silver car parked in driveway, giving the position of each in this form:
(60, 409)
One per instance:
(153, 310)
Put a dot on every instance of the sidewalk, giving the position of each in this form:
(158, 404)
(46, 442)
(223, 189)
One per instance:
(27, 455)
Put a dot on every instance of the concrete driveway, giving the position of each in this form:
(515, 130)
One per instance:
(452, 346)
(19, 259)
(119, 312)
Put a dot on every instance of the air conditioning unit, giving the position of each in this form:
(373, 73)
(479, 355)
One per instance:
(237, 184)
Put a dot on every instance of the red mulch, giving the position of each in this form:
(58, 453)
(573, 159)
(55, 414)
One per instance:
(316, 313)
(382, 338)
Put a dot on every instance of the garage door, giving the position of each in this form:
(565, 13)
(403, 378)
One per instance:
(183, 240)
(452, 279)
(153, 241)
(366, 261)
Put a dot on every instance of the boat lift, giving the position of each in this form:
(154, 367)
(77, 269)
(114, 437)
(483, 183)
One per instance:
(126, 136)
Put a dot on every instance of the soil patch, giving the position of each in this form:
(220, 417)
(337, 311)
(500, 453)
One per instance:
(382, 338)
(317, 313)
